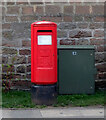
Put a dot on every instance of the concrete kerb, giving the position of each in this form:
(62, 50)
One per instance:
(70, 112)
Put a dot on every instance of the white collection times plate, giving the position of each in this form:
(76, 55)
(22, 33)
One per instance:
(44, 40)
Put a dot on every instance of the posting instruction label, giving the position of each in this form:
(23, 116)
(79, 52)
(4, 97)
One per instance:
(44, 40)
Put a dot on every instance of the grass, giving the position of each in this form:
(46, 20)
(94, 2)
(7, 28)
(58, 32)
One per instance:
(22, 99)
(81, 100)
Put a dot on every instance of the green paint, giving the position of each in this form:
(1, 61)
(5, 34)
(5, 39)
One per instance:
(76, 69)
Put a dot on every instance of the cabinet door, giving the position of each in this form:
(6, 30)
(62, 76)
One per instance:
(76, 71)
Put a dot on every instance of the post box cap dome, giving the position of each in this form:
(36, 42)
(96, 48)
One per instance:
(43, 22)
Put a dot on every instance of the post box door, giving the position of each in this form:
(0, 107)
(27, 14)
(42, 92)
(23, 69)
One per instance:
(44, 58)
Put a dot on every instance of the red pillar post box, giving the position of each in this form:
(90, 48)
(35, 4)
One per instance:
(43, 53)
(44, 62)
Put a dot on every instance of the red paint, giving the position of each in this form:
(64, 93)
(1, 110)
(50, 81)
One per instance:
(43, 57)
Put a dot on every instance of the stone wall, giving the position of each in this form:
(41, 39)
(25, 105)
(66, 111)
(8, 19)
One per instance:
(78, 24)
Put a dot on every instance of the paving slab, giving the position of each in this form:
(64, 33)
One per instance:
(73, 113)
(92, 112)
(21, 114)
(60, 113)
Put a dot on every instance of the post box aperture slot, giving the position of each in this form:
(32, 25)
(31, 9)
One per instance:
(44, 30)
(44, 40)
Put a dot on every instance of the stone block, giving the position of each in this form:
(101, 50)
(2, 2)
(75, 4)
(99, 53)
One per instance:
(99, 57)
(24, 52)
(38, 10)
(78, 18)
(67, 18)
(98, 9)
(8, 68)
(10, 51)
(6, 26)
(17, 59)
(82, 10)
(80, 34)
(96, 25)
(61, 34)
(27, 10)
(29, 59)
(20, 69)
(68, 9)
(95, 41)
(52, 18)
(67, 42)
(99, 19)
(11, 19)
(4, 60)
(29, 18)
(13, 10)
(100, 48)
(28, 76)
(29, 68)
(101, 67)
(67, 26)
(52, 9)
(26, 43)
(99, 33)
(82, 42)
(82, 25)
(88, 18)
(7, 35)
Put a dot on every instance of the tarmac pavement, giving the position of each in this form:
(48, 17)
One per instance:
(70, 112)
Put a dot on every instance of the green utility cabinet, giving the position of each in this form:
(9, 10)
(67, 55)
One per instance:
(76, 70)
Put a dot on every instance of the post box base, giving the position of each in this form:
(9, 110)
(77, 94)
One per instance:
(44, 94)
